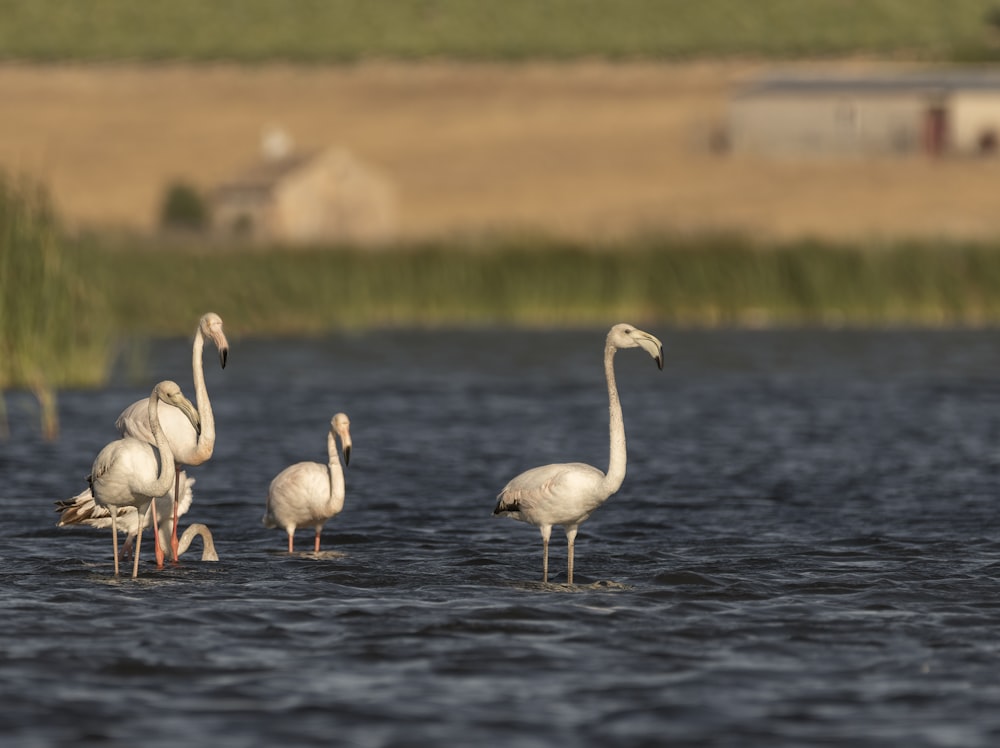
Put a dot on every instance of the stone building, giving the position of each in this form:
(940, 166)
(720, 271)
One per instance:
(301, 197)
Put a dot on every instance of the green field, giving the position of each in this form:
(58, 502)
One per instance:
(345, 30)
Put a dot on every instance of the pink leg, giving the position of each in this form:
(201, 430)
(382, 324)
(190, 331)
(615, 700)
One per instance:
(316, 546)
(291, 542)
(157, 548)
(138, 539)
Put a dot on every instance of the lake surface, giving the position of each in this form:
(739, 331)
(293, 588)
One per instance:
(805, 551)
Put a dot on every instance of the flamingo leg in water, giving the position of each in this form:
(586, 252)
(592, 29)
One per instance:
(546, 532)
(114, 535)
(316, 546)
(138, 540)
(174, 544)
(157, 548)
(291, 542)
(570, 541)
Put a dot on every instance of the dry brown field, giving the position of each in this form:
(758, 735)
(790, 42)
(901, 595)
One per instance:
(588, 149)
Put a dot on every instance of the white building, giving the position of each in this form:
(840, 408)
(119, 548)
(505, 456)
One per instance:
(937, 113)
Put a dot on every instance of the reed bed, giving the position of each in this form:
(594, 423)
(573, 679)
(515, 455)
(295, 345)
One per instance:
(67, 306)
(538, 282)
(54, 329)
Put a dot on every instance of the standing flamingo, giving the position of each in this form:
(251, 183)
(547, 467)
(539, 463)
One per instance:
(125, 472)
(307, 494)
(188, 445)
(83, 510)
(568, 493)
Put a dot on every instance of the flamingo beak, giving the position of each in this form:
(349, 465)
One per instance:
(344, 432)
(652, 345)
(221, 344)
(188, 409)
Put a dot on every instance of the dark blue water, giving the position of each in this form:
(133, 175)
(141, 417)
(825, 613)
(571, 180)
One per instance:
(806, 551)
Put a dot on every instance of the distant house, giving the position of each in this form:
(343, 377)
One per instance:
(940, 112)
(306, 197)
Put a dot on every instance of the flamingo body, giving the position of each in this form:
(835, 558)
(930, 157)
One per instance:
(83, 510)
(182, 438)
(127, 473)
(308, 494)
(556, 494)
(566, 494)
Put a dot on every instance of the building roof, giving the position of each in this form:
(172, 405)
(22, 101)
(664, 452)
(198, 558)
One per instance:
(263, 176)
(938, 82)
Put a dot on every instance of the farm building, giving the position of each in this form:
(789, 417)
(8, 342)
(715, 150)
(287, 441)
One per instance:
(305, 197)
(935, 113)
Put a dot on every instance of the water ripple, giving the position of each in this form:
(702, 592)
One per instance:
(806, 551)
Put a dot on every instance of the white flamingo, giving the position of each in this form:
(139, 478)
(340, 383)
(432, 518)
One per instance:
(188, 445)
(307, 494)
(126, 473)
(83, 510)
(566, 494)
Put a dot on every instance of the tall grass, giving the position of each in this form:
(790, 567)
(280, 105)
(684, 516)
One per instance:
(345, 30)
(63, 303)
(533, 281)
(54, 329)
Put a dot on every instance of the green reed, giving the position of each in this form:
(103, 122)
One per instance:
(54, 329)
(64, 304)
(537, 281)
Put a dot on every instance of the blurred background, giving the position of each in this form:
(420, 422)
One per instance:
(302, 167)
(584, 119)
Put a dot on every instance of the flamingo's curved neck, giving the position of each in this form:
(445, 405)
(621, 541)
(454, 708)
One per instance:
(616, 462)
(165, 480)
(197, 529)
(337, 485)
(206, 440)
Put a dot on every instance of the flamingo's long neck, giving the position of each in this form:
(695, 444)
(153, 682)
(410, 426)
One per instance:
(206, 440)
(165, 480)
(337, 486)
(616, 463)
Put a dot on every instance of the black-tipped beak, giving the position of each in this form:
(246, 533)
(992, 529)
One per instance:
(223, 356)
(347, 455)
(659, 361)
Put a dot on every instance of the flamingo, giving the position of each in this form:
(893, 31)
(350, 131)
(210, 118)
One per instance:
(566, 494)
(125, 472)
(307, 494)
(83, 510)
(208, 544)
(189, 445)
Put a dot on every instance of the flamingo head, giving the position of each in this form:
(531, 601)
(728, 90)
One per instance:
(624, 335)
(210, 326)
(170, 392)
